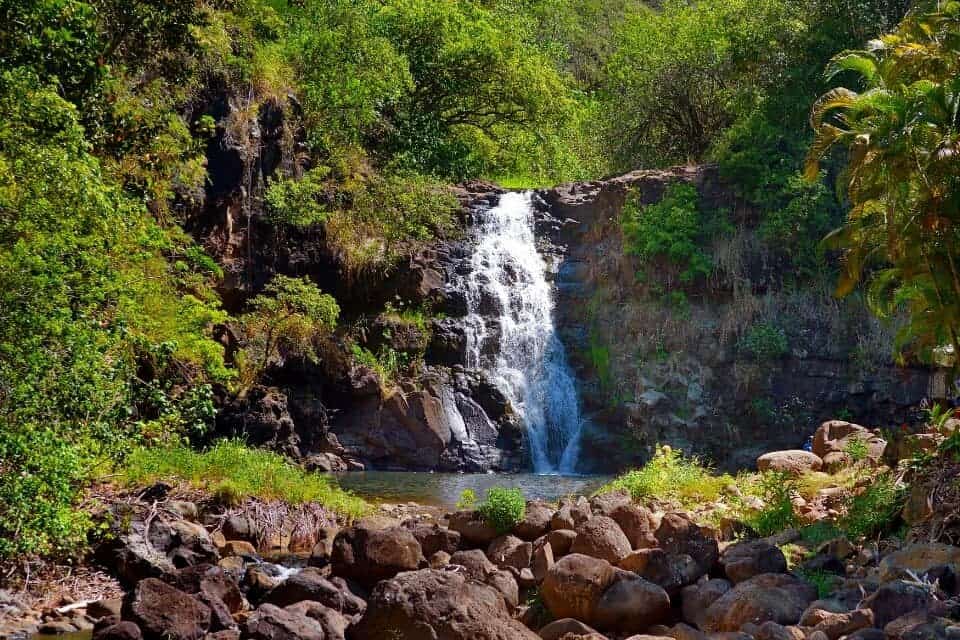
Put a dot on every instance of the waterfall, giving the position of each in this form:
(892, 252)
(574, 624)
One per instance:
(511, 335)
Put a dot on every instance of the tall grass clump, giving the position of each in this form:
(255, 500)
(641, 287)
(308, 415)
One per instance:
(874, 510)
(776, 490)
(235, 472)
(670, 476)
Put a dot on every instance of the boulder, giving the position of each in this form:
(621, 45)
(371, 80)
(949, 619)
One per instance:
(794, 462)
(773, 631)
(895, 599)
(832, 439)
(767, 597)
(603, 504)
(333, 623)
(744, 560)
(270, 622)
(369, 556)
(211, 581)
(472, 529)
(630, 605)
(164, 612)
(637, 523)
(542, 562)
(836, 625)
(310, 584)
(601, 537)
(919, 559)
(433, 537)
(258, 581)
(478, 567)
(571, 514)
(240, 548)
(536, 521)
(510, 551)
(563, 627)
(669, 570)
(120, 631)
(575, 584)
(679, 535)
(104, 608)
(441, 605)
(560, 540)
(696, 599)
(323, 548)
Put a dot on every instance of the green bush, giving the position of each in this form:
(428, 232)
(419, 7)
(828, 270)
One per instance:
(503, 508)
(670, 229)
(671, 476)
(875, 510)
(776, 490)
(235, 472)
(765, 341)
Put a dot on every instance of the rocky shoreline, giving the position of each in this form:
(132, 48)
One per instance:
(603, 567)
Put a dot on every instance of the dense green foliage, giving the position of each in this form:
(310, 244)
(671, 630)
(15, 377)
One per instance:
(503, 508)
(111, 107)
(670, 232)
(234, 472)
(287, 319)
(900, 129)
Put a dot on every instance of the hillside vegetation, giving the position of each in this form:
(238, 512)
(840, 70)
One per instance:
(110, 311)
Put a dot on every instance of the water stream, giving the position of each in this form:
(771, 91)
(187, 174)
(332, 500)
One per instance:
(519, 349)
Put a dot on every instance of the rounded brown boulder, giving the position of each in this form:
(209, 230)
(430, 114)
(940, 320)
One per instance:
(371, 555)
(601, 537)
(630, 605)
(472, 528)
(440, 605)
(510, 551)
(679, 535)
(744, 560)
(536, 521)
(270, 622)
(793, 461)
(776, 597)
(574, 585)
(637, 523)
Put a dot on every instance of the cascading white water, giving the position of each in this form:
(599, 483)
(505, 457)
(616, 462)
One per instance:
(519, 348)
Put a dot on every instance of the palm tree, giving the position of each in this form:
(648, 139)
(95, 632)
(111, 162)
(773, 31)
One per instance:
(902, 180)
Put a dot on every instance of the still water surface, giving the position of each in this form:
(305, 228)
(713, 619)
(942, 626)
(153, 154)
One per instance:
(444, 489)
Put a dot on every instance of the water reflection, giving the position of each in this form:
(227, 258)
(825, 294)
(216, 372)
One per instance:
(444, 489)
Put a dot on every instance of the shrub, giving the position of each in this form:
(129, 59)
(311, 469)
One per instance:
(776, 490)
(670, 476)
(302, 202)
(503, 508)
(874, 510)
(765, 341)
(669, 229)
(857, 449)
(234, 472)
(285, 320)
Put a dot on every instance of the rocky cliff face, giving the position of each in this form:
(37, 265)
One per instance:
(337, 414)
(651, 372)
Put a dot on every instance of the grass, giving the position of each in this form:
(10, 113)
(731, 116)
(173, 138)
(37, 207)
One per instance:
(874, 510)
(775, 489)
(519, 182)
(234, 472)
(672, 477)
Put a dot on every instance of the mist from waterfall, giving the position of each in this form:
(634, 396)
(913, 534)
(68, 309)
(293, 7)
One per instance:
(519, 349)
